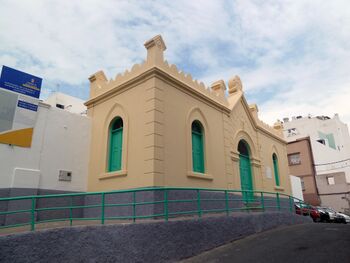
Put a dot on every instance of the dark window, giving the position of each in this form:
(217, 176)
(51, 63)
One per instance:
(60, 106)
(294, 159)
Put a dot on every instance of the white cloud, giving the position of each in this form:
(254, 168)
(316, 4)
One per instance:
(297, 51)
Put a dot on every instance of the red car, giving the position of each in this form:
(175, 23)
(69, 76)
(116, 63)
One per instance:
(305, 210)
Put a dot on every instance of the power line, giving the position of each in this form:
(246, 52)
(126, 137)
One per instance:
(319, 164)
(332, 169)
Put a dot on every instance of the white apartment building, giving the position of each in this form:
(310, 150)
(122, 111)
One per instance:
(330, 143)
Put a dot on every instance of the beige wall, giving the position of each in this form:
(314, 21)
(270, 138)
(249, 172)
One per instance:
(158, 104)
(132, 106)
(180, 111)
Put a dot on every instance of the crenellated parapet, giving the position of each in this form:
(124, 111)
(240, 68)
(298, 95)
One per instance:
(155, 59)
(196, 85)
(155, 63)
(274, 130)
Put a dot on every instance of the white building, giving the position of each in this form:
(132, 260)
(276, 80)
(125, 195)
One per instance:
(330, 143)
(57, 160)
(66, 102)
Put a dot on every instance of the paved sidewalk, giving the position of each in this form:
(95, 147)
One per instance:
(309, 243)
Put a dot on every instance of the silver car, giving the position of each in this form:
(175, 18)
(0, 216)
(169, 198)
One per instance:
(345, 218)
(332, 214)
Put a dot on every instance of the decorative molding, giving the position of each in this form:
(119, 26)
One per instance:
(234, 85)
(279, 188)
(110, 175)
(156, 41)
(234, 156)
(200, 176)
(255, 162)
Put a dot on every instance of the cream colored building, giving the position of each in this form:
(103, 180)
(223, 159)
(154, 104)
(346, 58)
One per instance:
(156, 126)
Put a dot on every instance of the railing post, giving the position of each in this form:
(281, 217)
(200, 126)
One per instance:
(32, 221)
(103, 209)
(262, 201)
(134, 206)
(199, 203)
(278, 201)
(290, 204)
(226, 203)
(71, 211)
(166, 212)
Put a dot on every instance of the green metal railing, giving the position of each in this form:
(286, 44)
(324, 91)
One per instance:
(201, 202)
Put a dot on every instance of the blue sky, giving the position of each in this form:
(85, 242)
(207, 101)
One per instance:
(293, 56)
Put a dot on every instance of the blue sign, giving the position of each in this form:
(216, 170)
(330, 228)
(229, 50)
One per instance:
(20, 82)
(27, 105)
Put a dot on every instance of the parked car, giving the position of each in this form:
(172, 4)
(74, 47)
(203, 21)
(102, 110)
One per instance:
(305, 210)
(324, 215)
(342, 218)
(332, 214)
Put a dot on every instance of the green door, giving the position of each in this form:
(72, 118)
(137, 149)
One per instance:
(246, 177)
(115, 160)
(197, 152)
(275, 169)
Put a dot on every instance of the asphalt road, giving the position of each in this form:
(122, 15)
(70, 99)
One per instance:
(314, 242)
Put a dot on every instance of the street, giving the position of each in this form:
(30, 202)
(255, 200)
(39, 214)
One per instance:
(316, 242)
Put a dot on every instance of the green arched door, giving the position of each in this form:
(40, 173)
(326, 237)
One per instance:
(245, 171)
(116, 145)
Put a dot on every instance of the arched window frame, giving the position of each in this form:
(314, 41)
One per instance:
(115, 133)
(195, 113)
(198, 144)
(248, 181)
(276, 169)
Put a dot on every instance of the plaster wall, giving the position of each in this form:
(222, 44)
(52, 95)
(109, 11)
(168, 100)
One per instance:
(180, 110)
(60, 142)
(132, 105)
(267, 147)
(305, 166)
(305, 169)
(297, 191)
(340, 186)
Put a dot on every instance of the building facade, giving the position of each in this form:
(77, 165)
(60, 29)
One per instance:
(156, 126)
(56, 161)
(300, 160)
(330, 146)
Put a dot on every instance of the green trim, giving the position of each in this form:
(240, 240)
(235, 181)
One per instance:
(245, 171)
(199, 199)
(275, 169)
(197, 147)
(115, 146)
(103, 208)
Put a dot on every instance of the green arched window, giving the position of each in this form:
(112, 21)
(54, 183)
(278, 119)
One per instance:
(115, 145)
(197, 147)
(275, 169)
